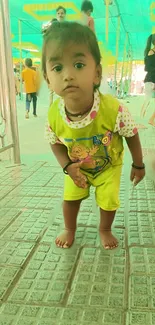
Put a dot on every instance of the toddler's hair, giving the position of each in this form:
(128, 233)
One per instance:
(87, 5)
(73, 32)
(61, 7)
(28, 62)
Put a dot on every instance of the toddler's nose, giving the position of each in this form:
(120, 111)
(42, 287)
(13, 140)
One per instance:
(68, 75)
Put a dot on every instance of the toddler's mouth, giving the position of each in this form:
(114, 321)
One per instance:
(71, 87)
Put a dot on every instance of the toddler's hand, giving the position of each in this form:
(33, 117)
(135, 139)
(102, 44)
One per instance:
(78, 178)
(137, 175)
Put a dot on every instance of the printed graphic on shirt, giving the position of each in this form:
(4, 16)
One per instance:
(93, 152)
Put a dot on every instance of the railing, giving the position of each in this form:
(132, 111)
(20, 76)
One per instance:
(8, 118)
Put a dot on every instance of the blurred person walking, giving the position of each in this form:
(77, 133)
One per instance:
(149, 61)
(87, 9)
(30, 78)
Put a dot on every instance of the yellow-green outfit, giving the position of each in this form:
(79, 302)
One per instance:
(97, 142)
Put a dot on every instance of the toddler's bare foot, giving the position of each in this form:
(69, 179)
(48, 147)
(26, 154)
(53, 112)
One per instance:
(66, 239)
(108, 240)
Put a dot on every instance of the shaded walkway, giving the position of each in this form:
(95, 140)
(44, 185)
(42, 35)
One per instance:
(85, 285)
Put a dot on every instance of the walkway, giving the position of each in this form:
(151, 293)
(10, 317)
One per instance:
(85, 285)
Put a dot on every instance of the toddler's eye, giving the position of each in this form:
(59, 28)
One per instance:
(57, 68)
(79, 65)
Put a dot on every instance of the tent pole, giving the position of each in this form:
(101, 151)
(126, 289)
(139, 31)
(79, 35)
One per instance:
(130, 73)
(127, 67)
(20, 52)
(8, 95)
(117, 51)
(124, 57)
(107, 21)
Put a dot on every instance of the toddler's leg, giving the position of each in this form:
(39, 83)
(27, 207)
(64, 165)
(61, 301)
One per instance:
(107, 238)
(108, 200)
(70, 212)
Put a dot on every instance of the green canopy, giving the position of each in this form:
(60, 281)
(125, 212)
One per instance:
(137, 21)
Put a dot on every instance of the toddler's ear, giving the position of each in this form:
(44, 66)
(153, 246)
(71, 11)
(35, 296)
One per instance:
(98, 76)
(99, 71)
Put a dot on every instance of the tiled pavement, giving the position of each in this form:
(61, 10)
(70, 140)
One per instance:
(85, 285)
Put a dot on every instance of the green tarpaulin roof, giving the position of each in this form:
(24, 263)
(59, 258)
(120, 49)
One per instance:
(137, 19)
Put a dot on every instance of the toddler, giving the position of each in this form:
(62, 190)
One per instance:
(86, 129)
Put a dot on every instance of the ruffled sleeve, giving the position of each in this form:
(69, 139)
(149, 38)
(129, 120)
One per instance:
(50, 136)
(125, 124)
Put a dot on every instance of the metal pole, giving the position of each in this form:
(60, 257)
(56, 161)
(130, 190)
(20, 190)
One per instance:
(9, 146)
(127, 66)
(130, 74)
(4, 90)
(7, 91)
(3, 124)
(20, 52)
(117, 50)
(124, 56)
(126, 81)
(107, 21)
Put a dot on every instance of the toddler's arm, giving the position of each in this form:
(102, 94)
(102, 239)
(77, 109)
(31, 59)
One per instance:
(134, 146)
(73, 170)
(126, 128)
(61, 154)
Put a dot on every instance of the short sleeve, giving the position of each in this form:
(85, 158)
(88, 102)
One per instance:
(125, 124)
(50, 136)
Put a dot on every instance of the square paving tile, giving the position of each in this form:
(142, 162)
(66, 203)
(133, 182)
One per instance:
(14, 253)
(16, 314)
(138, 317)
(46, 278)
(30, 202)
(7, 216)
(4, 190)
(37, 192)
(7, 276)
(141, 228)
(28, 226)
(99, 279)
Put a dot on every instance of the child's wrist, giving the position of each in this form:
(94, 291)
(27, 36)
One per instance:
(139, 166)
(138, 161)
(65, 168)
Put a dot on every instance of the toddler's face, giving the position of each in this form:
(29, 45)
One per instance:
(71, 71)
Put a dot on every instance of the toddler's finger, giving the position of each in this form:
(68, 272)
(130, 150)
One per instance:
(78, 165)
(80, 184)
(84, 183)
(136, 180)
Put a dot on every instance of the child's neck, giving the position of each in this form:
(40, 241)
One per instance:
(80, 107)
